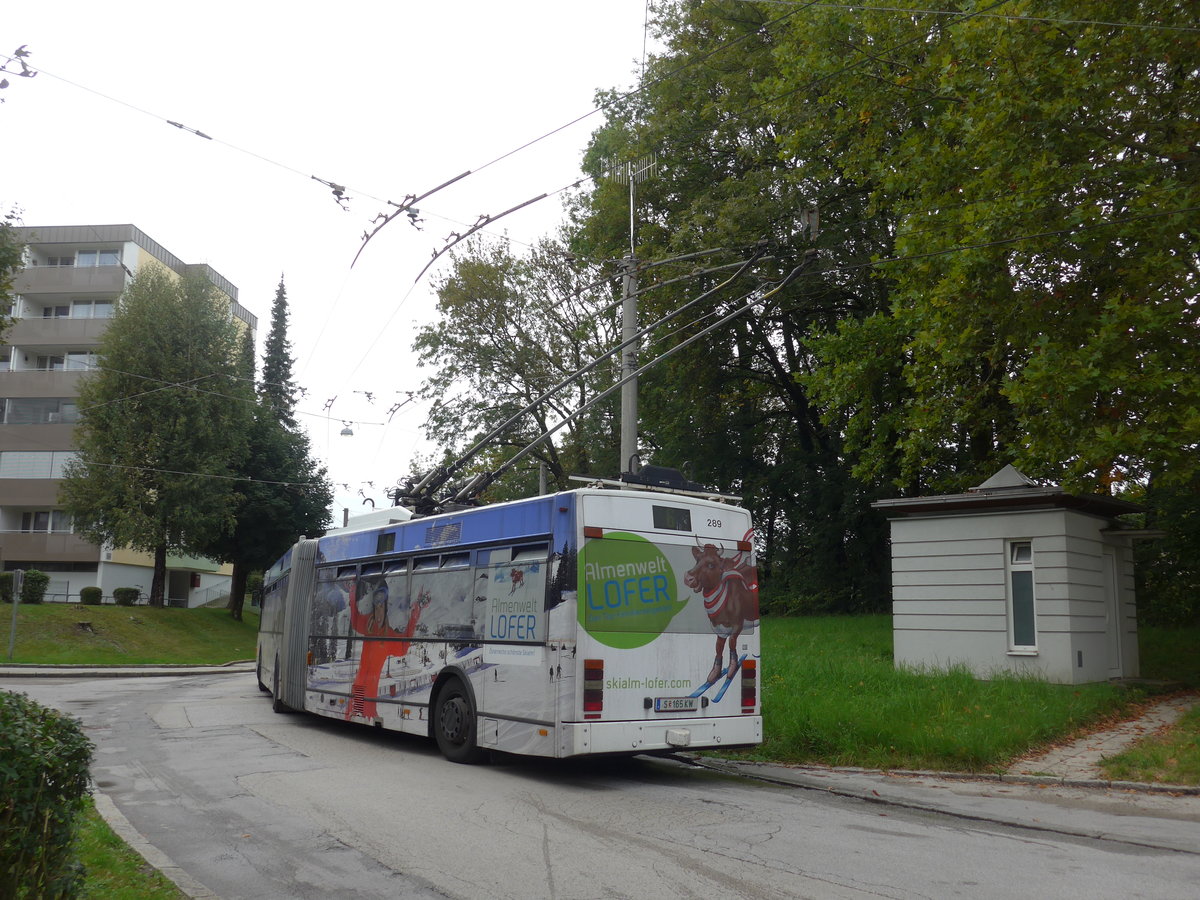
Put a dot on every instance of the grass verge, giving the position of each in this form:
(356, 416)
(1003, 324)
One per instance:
(55, 634)
(114, 870)
(831, 695)
(1170, 757)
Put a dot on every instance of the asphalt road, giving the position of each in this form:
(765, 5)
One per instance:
(237, 802)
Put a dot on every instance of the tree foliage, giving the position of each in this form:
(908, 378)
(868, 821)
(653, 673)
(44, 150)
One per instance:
(1041, 178)
(1007, 255)
(510, 328)
(12, 250)
(158, 439)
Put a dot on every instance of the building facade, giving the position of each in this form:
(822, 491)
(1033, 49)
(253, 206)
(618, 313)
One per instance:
(1015, 577)
(63, 301)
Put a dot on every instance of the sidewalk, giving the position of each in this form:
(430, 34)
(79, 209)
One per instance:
(1079, 761)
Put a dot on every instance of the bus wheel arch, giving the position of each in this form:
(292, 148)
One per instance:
(453, 723)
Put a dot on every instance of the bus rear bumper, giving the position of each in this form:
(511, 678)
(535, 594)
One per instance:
(581, 738)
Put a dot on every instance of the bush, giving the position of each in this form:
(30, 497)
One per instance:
(33, 586)
(43, 782)
(91, 596)
(126, 596)
(6, 580)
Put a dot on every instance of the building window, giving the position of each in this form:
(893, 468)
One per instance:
(54, 521)
(61, 260)
(1022, 614)
(34, 463)
(56, 312)
(91, 309)
(80, 360)
(97, 258)
(38, 411)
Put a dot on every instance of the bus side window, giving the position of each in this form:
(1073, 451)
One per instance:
(327, 614)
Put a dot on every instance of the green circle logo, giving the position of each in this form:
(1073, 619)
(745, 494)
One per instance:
(629, 593)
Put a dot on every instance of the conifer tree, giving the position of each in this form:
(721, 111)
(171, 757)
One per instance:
(282, 491)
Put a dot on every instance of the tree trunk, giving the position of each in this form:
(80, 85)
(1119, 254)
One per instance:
(159, 583)
(237, 590)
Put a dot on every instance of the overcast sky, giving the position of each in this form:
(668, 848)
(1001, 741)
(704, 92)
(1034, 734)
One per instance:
(386, 98)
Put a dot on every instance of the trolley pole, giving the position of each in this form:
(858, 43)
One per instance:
(629, 389)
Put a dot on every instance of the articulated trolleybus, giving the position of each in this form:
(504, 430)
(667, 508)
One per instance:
(592, 621)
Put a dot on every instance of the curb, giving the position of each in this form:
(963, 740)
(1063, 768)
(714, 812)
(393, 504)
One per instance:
(35, 670)
(154, 857)
(1183, 790)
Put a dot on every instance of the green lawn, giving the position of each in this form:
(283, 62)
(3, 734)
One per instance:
(832, 696)
(54, 633)
(113, 870)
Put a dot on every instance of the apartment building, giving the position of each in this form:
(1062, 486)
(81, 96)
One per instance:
(63, 301)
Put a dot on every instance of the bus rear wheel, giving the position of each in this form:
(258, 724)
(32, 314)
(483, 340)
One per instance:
(454, 724)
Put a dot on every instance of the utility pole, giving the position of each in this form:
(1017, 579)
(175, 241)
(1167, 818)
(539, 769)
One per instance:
(630, 173)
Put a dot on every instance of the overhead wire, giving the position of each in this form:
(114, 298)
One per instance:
(791, 277)
(482, 480)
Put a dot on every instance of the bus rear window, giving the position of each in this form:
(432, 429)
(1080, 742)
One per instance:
(672, 518)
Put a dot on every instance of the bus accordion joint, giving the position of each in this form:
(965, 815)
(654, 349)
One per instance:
(749, 685)
(593, 688)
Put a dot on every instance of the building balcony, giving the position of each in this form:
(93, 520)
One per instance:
(40, 383)
(32, 547)
(31, 492)
(56, 332)
(48, 282)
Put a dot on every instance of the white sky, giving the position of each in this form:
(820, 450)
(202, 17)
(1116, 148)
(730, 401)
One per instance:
(387, 98)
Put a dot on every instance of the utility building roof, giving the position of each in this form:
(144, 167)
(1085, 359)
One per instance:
(1008, 489)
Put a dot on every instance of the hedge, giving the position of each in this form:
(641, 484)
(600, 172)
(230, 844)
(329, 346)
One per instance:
(44, 760)
(126, 596)
(33, 586)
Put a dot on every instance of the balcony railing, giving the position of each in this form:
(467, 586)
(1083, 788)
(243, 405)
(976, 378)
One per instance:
(69, 280)
(62, 331)
(36, 546)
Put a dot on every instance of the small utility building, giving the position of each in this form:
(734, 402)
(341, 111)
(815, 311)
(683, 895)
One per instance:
(1012, 576)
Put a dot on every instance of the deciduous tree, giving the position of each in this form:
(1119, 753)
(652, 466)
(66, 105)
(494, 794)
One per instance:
(12, 250)
(159, 441)
(510, 328)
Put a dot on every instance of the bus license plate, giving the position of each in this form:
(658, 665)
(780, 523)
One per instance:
(676, 704)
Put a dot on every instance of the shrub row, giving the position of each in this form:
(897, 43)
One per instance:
(33, 590)
(44, 760)
(33, 586)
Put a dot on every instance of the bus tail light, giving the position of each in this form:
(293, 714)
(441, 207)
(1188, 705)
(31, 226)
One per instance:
(749, 685)
(593, 688)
